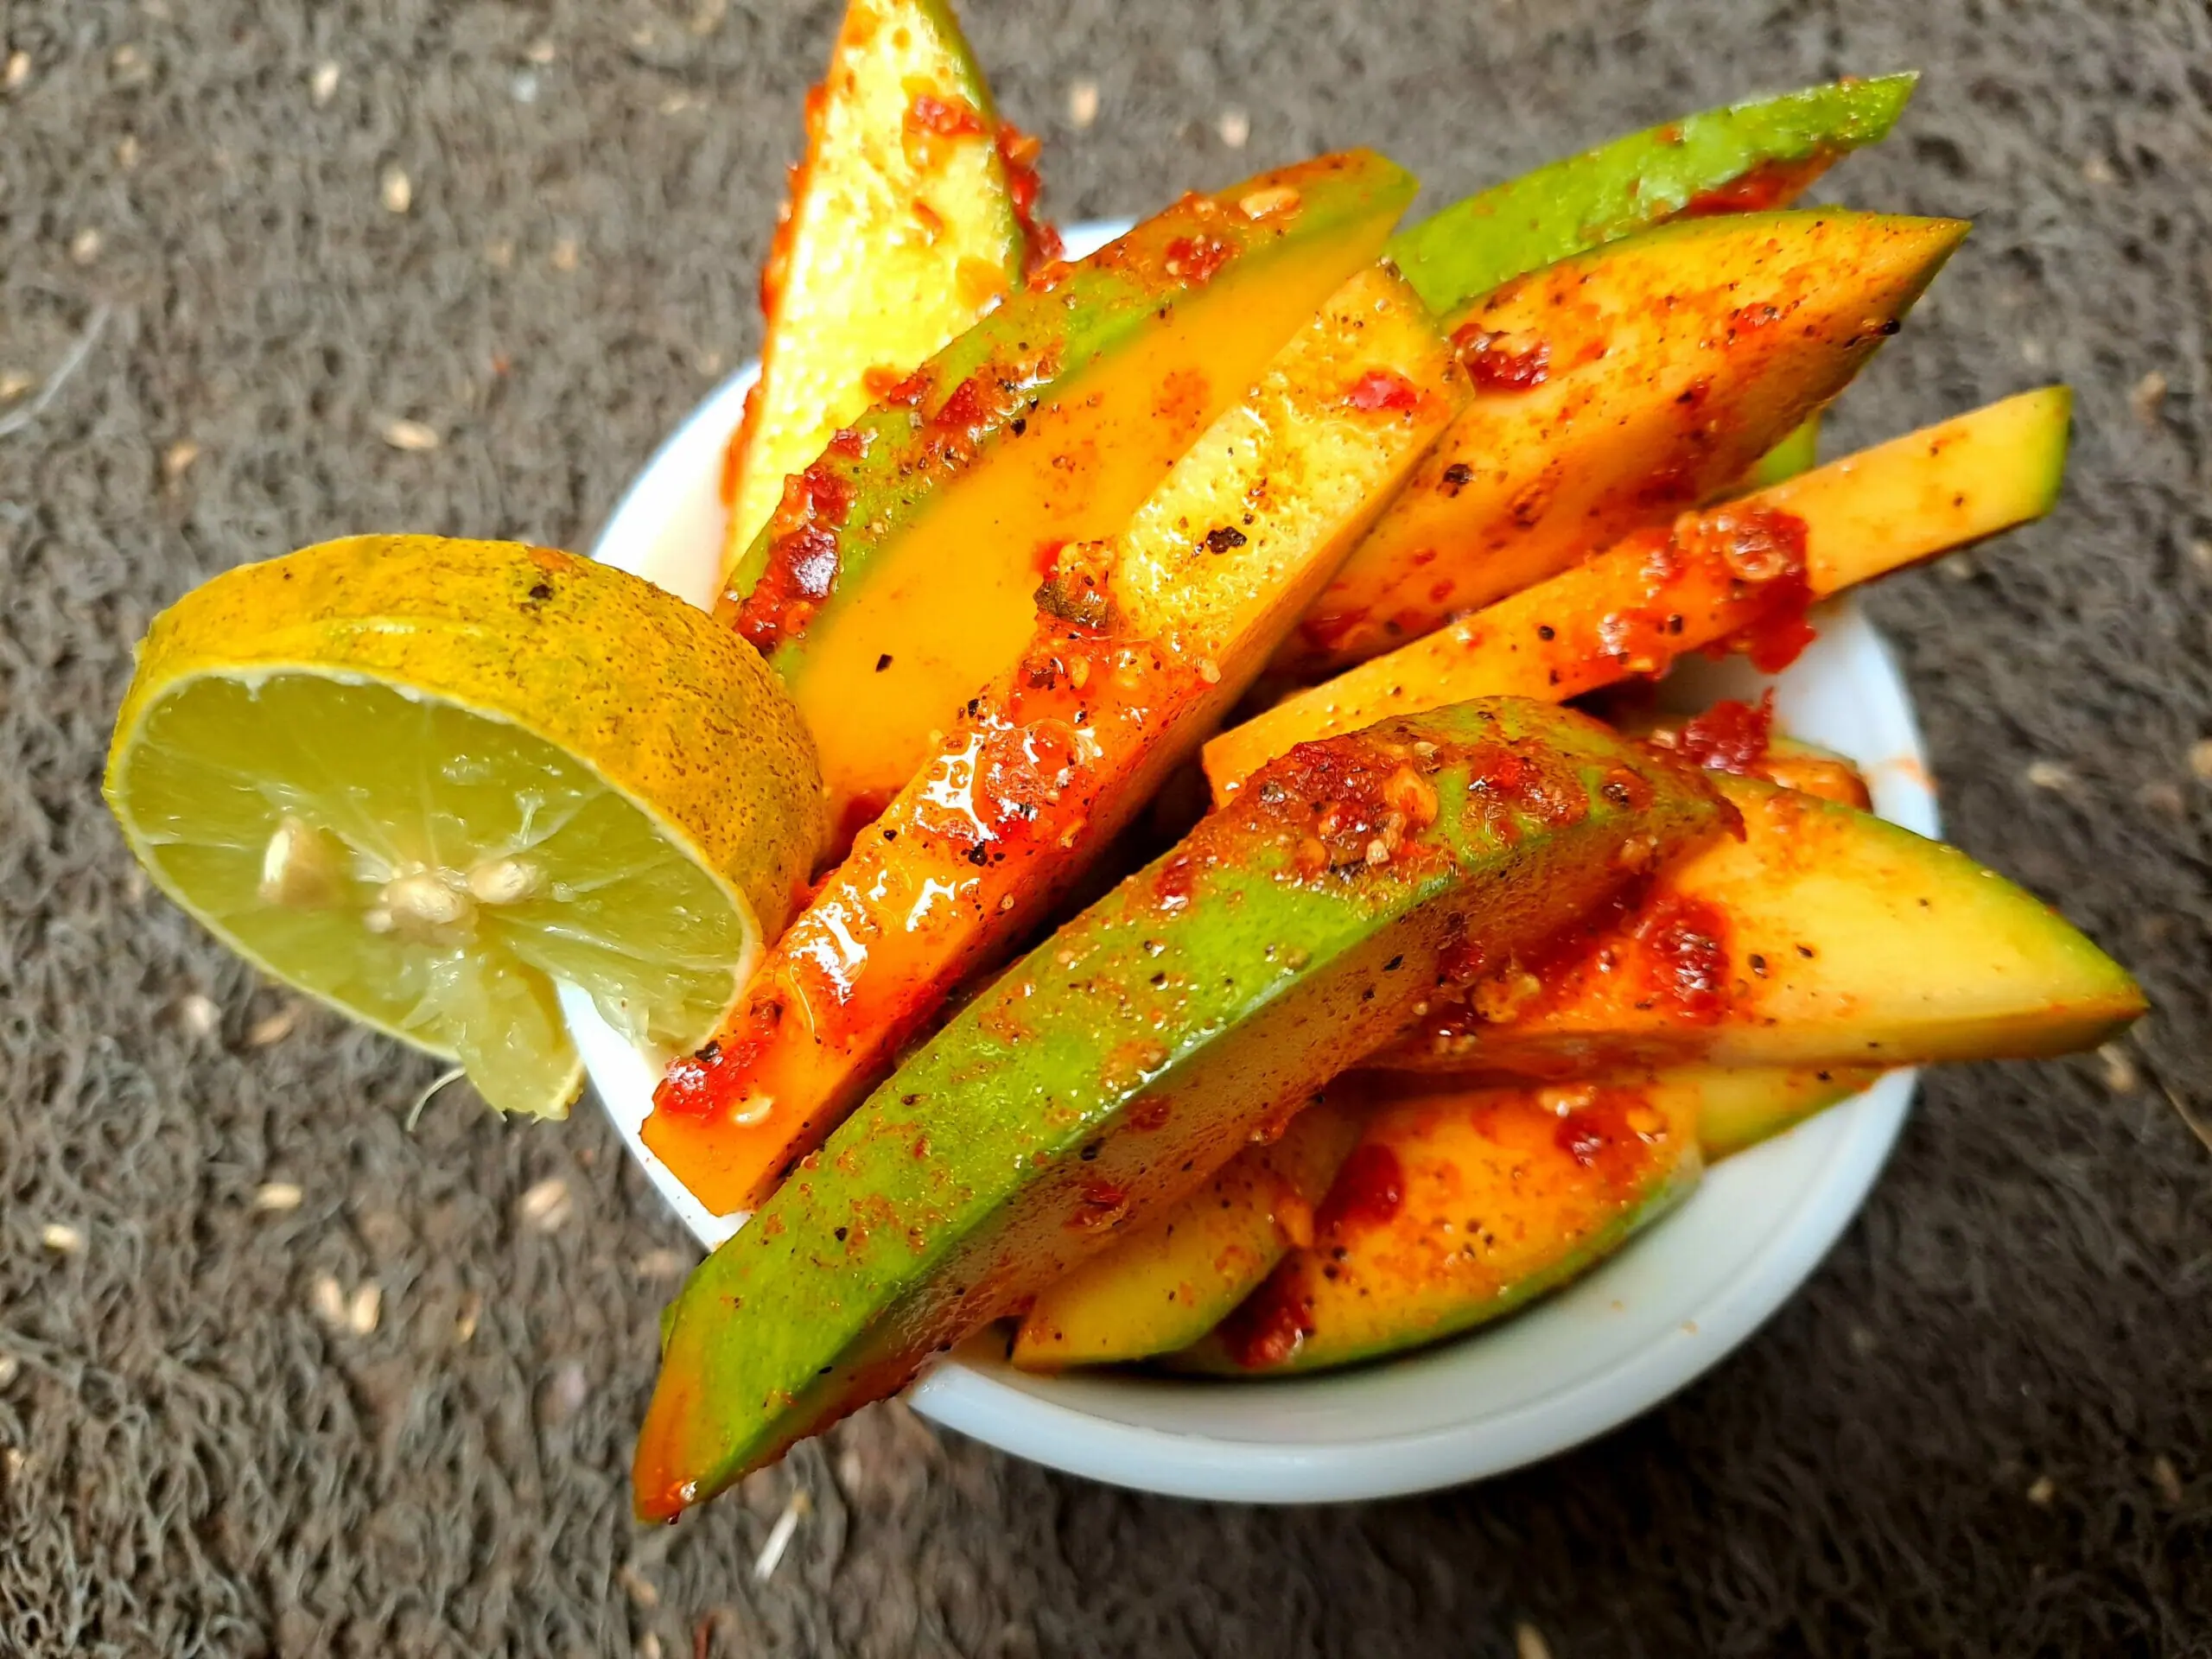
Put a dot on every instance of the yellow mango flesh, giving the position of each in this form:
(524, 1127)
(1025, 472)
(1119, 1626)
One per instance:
(1170, 1282)
(1824, 936)
(899, 237)
(1208, 574)
(1940, 488)
(1166, 1287)
(1622, 615)
(1458, 1206)
(1739, 1107)
(936, 594)
(1670, 363)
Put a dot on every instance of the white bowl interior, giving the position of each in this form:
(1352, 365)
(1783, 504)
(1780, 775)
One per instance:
(1609, 1347)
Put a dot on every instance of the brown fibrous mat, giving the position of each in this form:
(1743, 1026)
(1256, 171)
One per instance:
(277, 1375)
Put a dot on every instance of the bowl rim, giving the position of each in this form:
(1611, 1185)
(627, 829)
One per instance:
(1227, 1440)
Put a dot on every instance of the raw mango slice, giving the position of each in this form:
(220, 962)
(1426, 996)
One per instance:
(1167, 1285)
(1823, 936)
(1614, 391)
(1742, 572)
(1742, 157)
(899, 575)
(901, 229)
(1115, 1068)
(1145, 640)
(1457, 1207)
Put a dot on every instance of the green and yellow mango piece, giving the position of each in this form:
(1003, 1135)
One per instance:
(1114, 1070)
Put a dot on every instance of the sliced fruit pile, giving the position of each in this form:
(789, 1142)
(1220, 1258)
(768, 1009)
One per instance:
(1453, 987)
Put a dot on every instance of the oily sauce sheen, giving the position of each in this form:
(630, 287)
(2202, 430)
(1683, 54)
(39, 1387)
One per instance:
(1267, 1325)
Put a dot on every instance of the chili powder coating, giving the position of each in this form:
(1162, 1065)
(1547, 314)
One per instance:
(1658, 949)
(1039, 772)
(1267, 1326)
(1731, 578)
(1368, 1192)
(1618, 388)
(930, 425)
(1503, 361)
(1458, 1205)
(1018, 154)
(1749, 559)
(952, 116)
(1771, 184)
(1382, 389)
(1739, 738)
(1730, 736)
(1244, 981)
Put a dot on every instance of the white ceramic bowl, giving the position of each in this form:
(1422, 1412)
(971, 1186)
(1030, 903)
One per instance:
(1575, 1366)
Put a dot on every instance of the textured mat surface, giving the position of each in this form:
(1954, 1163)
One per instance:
(396, 1419)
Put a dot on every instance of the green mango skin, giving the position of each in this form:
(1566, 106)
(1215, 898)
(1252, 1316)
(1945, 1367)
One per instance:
(1798, 453)
(1137, 1301)
(1575, 204)
(1845, 940)
(1057, 331)
(1132, 1054)
(1049, 421)
(1661, 390)
(1457, 1208)
(1163, 1286)
(1740, 1107)
(1402, 1282)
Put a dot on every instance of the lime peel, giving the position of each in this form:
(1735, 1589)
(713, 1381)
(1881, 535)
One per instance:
(423, 780)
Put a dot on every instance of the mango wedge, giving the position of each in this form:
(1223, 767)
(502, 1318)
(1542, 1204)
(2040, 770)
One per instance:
(1740, 1106)
(1152, 1294)
(1824, 936)
(897, 576)
(1459, 1207)
(1798, 453)
(1115, 1068)
(1165, 1286)
(901, 229)
(1151, 637)
(1615, 390)
(1747, 565)
(1738, 158)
